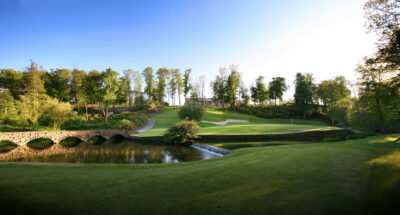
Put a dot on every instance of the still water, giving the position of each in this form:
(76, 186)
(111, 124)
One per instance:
(125, 153)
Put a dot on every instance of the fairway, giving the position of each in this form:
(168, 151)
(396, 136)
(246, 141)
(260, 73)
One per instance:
(350, 177)
(257, 125)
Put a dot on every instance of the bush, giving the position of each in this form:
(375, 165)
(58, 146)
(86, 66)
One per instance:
(356, 136)
(191, 112)
(125, 124)
(183, 132)
(332, 139)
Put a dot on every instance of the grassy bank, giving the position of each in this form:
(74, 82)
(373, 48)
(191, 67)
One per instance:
(257, 125)
(350, 177)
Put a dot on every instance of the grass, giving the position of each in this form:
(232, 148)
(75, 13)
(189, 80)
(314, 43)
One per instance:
(40, 143)
(6, 146)
(239, 145)
(257, 125)
(349, 177)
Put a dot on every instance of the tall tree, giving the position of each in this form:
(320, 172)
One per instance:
(173, 84)
(7, 107)
(149, 80)
(233, 85)
(57, 84)
(276, 88)
(187, 86)
(110, 90)
(77, 86)
(94, 86)
(179, 82)
(304, 93)
(162, 74)
(13, 81)
(123, 90)
(259, 92)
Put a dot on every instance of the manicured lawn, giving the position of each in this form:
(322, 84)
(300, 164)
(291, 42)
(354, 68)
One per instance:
(350, 177)
(257, 125)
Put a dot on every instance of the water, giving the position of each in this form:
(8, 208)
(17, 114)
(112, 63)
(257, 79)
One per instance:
(125, 153)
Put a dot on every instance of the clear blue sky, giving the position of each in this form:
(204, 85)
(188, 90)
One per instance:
(262, 37)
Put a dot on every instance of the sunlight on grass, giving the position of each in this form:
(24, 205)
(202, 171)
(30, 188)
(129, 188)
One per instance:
(390, 159)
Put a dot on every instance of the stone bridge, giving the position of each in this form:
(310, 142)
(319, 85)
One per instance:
(22, 138)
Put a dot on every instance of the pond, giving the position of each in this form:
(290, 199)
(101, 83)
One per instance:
(125, 152)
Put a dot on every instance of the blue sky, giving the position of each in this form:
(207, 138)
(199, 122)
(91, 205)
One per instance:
(262, 37)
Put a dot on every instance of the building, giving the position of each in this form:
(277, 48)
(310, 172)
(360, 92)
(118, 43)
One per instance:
(203, 101)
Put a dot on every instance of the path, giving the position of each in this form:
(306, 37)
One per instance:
(148, 126)
(226, 121)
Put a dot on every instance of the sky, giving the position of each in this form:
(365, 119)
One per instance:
(262, 37)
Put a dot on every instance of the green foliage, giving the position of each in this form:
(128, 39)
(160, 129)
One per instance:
(12, 80)
(276, 88)
(125, 124)
(186, 82)
(7, 107)
(30, 107)
(57, 84)
(305, 93)
(356, 136)
(96, 140)
(57, 111)
(259, 93)
(40, 143)
(150, 82)
(162, 75)
(6, 146)
(332, 139)
(183, 132)
(232, 85)
(70, 142)
(191, 112)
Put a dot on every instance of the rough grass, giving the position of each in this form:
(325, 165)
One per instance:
(257, 125)
(349, 177)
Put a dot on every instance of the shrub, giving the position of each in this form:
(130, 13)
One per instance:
(40, 143)
(356, 136)
(183, 132)
(191, 112)
(332, 139)
(125, 124)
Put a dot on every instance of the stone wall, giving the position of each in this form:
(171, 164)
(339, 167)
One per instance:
(22, 138)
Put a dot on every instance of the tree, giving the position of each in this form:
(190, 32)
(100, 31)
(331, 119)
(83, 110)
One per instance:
(110, 90)
(331, 91)
(173, 85)
(377, 92)
(304, 93)
(233, 85)
(384, 19)
(7, 107)
(57, 84)
(35, 79)
(93, 86)
(202, 86)
(78, 88)
(149, 80)
(179, 82)
(138, 83)
(276, 88)
(187, 86)
(162, 74)
(340, 111)
(57, 111)
(259, 92)
(244, 93)
(27, 106)
(12, 80)
(123, 90)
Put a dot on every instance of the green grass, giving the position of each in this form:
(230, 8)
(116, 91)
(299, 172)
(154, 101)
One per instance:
(257, 125)
(349, 177)
(239, 145)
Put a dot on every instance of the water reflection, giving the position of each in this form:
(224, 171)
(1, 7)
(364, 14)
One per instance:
(125, 153)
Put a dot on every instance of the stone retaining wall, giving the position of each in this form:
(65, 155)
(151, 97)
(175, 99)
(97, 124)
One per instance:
(22, 138)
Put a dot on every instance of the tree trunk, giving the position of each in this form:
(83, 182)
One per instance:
(106, 115)
(87, 115)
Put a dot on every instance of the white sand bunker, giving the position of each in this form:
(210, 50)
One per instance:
(226, 121)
